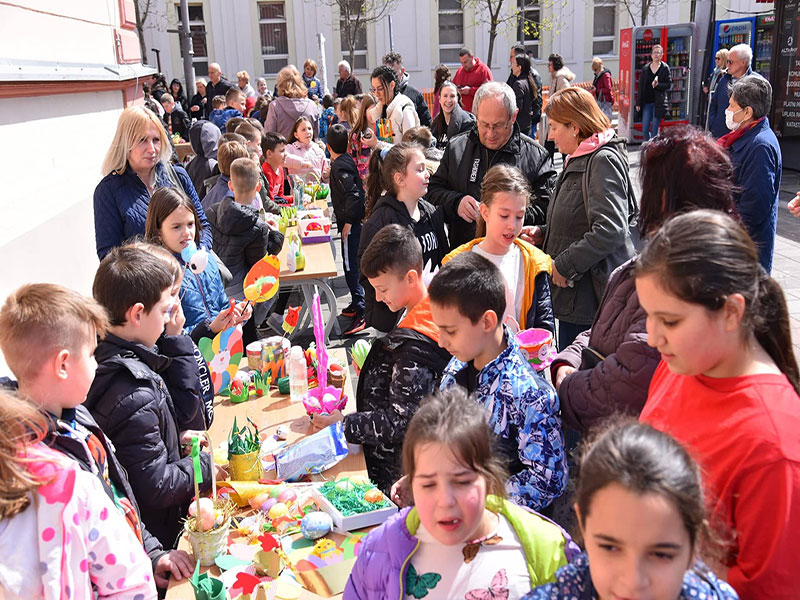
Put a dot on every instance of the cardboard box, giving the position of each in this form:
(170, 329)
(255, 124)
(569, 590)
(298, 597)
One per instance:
(342, 524)
(313, 226)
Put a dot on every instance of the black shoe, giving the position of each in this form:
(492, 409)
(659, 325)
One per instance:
(359, 324)
(350, 311)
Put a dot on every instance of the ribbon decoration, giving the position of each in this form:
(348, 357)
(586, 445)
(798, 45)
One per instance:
(198, 472)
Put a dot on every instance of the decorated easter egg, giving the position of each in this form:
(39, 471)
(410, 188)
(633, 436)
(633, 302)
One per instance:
(374, 495)
(257, 501)
(282, 432)
(287, 496)
(278, 510)
(315, 524)
(344, 485)
(207, 515)
(276, 491)
(360, 480)
(268, 504)
(328, 399)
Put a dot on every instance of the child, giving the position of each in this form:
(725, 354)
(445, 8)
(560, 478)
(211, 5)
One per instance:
(175, 117)
(130, 397)
(346, 112)
(401, 173)
(504, 195)
(234, 107)
(401, 367)
(347, 197)
(254, 136)
(303, 156)
(51, 513)
(61, 327)
(226, 154)
(327, 117)
(363, 128)
(468, 296)
(217, 104)
(641, 513)
(727, 388)
(462, 539)
(173, 223)
(273, 145)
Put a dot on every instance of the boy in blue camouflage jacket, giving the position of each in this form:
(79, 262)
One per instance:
(467, 297)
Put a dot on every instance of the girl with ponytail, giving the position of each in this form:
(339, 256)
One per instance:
(727, 388)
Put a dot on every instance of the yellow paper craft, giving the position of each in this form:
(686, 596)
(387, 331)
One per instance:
(243, 491)
(261, 282)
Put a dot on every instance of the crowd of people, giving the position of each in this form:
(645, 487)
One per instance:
(674, 368)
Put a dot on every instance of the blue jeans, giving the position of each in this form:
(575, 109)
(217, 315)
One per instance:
(650, 122)
(350, 262)
(534, 127)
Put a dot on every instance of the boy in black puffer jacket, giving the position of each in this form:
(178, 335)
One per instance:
(129, 398)
(402, 367)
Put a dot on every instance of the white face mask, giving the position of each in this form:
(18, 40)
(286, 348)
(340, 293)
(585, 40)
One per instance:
(729, 122)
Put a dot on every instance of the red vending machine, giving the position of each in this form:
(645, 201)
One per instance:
(635, 46)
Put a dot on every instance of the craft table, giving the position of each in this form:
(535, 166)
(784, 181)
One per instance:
(267, 413)
(320, 267)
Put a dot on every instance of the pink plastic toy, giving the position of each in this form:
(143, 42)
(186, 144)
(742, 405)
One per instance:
(324, 398)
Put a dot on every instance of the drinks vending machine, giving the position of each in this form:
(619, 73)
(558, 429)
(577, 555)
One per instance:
(757, 32)
(636, 43)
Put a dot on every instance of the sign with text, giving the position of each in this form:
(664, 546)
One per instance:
(786, 90)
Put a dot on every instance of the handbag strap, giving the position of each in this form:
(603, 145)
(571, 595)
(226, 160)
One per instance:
(633, 207)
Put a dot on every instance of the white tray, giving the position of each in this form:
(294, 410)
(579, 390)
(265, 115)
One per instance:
(342, 524)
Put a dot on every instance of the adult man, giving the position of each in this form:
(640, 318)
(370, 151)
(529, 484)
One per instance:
(494, 139)
(739, 59)
(216, 86)
(471, 75)
(395, 61)
(347, 85)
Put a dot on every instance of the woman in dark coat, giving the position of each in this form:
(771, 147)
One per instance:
(529, 102)
(451, 118)
(654, 83)
(176, 89)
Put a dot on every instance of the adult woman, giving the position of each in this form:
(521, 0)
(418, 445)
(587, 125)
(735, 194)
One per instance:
(526, 92)
(135, 165)
(721, 62)
(654, 82)
(176, 89)
(394, 113)
(602, 86)
(290, 104)
(197, 105)
(560, 77)
(452, 119)
(440, 75)
(607, 369)
(757, 161)
(311, 80)
(589, 214)
(244, 84)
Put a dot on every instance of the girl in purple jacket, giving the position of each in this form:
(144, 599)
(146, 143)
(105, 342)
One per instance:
(462, 539)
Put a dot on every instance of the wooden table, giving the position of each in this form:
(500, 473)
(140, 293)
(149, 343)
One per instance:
(320, 267)
(267, 413)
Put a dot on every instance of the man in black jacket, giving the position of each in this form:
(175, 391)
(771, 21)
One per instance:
(395, 61)
(217, 86)
(495, 139)
(347, 85)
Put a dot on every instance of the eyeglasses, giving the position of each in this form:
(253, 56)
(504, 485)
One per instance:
(493, 127)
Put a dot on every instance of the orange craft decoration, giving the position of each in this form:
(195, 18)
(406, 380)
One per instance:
(261, 282)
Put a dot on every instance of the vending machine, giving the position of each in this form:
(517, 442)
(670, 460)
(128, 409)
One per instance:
(635, 46)
(762, 44)
(757, 32)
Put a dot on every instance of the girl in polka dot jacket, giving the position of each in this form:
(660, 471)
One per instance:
(60, 535)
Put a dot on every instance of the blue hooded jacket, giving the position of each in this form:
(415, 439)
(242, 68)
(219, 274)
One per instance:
(202, 294)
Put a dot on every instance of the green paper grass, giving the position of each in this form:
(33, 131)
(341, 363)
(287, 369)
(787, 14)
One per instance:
(351, 502)
(243, 440)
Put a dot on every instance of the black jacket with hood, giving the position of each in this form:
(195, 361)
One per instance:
(431, 234)
(413, 94)
(131, 402)
(460, 121)
(204, 137)
(466, 161)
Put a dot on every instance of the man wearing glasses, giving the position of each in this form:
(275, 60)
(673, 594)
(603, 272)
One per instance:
(739, 59)
(494, 139)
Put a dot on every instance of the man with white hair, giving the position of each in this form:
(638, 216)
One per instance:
(217, 85)
(494, 139)
(347, 85)
(739, 60)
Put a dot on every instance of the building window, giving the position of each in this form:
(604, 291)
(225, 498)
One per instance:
(528, 26)
(451, 31)
(274, 39)
(198, 28)
(360, 55)
(605, 27)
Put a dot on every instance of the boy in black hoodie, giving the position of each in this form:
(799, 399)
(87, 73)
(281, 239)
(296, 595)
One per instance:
(60, 327)
(130, 397)
(347, 197)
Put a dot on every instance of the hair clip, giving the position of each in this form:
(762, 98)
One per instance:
(384, 152)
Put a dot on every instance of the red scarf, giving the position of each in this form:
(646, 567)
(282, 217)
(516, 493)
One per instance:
(727, 140)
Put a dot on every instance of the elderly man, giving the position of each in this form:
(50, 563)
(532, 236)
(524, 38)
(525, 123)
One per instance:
(395, 61)
(217, 86)
(471, 75)
(739, 59)
(494, 139)
(757, 162)
(347, 85)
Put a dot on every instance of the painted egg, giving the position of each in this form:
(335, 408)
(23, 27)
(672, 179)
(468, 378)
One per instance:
(315, 524)
(257, 501)
(374, 495)
(360, 480)
(276, 491)
(287, 496)
(268, 504)
(207, 514)
(345, 485)
(282, 432)
(278, 510)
